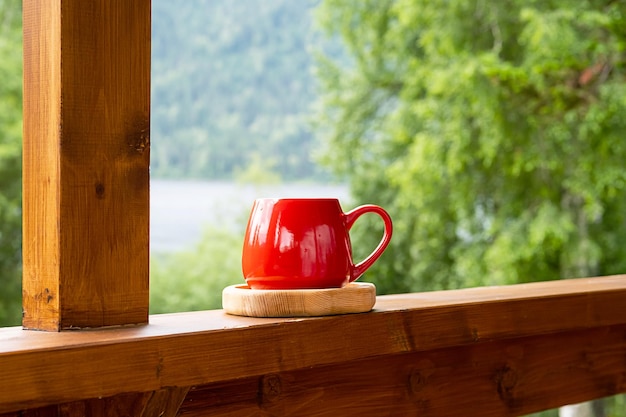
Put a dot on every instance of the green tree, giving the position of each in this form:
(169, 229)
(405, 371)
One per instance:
(10, 161)
(492, 131)
(194, 279)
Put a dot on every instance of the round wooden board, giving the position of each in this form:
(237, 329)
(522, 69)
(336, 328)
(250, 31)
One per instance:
(356, 297)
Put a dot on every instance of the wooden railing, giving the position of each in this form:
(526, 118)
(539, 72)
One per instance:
(494, 351)
(91, 349)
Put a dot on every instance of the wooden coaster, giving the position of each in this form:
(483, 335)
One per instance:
(356, 297)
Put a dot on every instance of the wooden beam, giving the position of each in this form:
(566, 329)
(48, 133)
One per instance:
(200, 348)
(162, 403)
(165, 402)
(86, 163)
(127, 404)
(490, 379)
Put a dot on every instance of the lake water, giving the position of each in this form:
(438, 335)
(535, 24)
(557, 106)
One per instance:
(180, 210)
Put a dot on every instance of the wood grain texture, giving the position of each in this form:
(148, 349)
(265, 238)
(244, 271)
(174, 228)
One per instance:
(162, 403)
(86, 163)
(123, 405)
(165, 402)
(192, 349)
(490, 379)
(356, 297)
(40, 172)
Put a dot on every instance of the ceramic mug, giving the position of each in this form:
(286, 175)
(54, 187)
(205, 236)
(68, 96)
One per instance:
(304, 243)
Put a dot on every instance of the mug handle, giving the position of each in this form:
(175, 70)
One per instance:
(351, 216)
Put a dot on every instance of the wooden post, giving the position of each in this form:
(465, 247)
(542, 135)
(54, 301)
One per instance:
(86, 163)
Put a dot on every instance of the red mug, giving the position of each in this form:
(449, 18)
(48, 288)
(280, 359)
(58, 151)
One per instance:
(304, 243)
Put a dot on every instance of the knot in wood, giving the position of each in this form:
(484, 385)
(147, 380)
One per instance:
(99, 190)
(417, 381)
(271, 387)
(138, 135)
(506, 380)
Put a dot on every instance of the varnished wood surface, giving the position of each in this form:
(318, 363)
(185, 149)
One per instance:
(489, 379)
(41, 165)
(192, 349)
(86, 162)
(161, 403)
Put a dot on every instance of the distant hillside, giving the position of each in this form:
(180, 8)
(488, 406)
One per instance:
(232, 87)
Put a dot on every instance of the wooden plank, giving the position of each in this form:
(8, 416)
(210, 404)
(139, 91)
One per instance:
(86, 163)
(505, 378)
(127, 404)
(40, 171)
(165, 402)
(162, 403)
(238, 397)
(191, 349)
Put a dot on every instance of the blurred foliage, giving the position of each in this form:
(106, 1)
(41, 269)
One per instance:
(258, 171)
(10, 161)
(232, 81)
(194, 280)
(493, 133)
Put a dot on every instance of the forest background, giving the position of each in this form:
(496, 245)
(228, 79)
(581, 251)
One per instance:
(493, 132)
